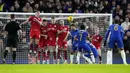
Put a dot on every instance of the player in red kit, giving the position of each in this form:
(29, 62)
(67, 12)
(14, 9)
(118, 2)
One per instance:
(43, 42)
(35, 22)
(96, 41)
(51, 42)
(63, 32)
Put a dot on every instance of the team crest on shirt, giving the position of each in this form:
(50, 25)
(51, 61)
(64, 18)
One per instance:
(54, 25)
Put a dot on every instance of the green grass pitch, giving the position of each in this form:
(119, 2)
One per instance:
(69, 68)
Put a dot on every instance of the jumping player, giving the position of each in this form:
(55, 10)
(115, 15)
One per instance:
(62, 40)
(115, 34)
(35, 22)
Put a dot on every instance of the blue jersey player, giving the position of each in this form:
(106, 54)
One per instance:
(82, 44)
(115, 34)
(73, 33)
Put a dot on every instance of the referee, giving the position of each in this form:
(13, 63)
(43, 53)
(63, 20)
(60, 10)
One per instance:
(12, 37)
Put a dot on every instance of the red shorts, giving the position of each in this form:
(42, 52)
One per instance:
(35, 33)
(62, 44)
(51, 43)
(97, 46)
(42, 43)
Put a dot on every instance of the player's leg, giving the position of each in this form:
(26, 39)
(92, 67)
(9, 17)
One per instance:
(31, 45)
(54, 51)
(44, 56)
(54, 54)
(95, 52)
(109, 56)
(99, 55)
(14, 55)
(39, 55)
(74, 53)
(71, 56)
(59, 53)
(36, 45)
(87, 58)
(14, 47)
(111, 44)
(78, 53)
(88, 49)
(65, 46)
(7, 49)
(123, 55)
(70, 47)
(48, 54)
(78, 57)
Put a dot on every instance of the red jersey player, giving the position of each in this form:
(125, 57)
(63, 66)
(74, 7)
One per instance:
(63, 32)
(42, 41)
(51, 42)
(96, 41)
(35, 22)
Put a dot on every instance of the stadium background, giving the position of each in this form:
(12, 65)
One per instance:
(119, 8)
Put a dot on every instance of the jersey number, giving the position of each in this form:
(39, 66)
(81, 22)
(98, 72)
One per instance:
(80, 36)
(115, 28)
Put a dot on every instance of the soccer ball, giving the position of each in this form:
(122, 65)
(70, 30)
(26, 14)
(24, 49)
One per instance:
(70, 18)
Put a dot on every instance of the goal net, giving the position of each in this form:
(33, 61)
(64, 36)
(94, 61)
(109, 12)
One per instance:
(92, 21)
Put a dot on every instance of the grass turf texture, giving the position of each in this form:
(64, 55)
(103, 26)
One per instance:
(71, 68)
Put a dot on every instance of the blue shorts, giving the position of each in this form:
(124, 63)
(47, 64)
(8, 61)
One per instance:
(75, 46)
(84, 47)
(119, 42)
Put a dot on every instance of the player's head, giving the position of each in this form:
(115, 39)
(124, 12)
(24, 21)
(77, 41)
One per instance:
(53, 20)
(116, 21)
(82, 27)
(61, 22)
(73, 27)
(12, 16)
(96, 30)
(37, 14)
(45, 22)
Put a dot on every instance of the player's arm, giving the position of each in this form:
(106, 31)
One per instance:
(25, 22)
(100, 38)
(122, 33)
(40, 22)
(19, 31)
(66, 36)
(88, 37)
(43, 35)
(59, 32)
(106, 36)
